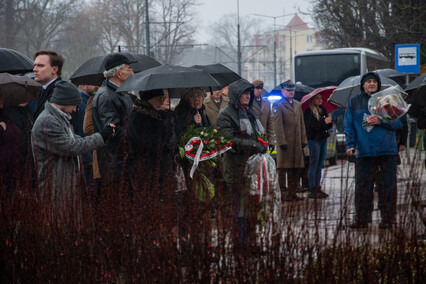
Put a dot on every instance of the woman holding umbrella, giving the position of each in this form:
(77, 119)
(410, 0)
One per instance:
(317, 124)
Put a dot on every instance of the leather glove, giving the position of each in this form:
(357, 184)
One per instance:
(283, 147)
(271, 147)
(107, 132)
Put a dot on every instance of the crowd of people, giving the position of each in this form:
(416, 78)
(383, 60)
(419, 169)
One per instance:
(103, 140)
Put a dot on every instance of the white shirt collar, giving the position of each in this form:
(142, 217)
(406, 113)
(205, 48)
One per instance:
(47, 85)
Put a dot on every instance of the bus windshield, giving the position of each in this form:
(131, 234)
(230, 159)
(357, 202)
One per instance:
(326, 69)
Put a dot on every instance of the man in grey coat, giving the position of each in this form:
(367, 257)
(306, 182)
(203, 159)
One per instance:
(57, 151)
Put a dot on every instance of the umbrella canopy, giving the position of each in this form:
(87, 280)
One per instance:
(300, 90)
(14, 62)
(15, 90)
(416, 83)
(325, 94)
(91, 71)
(166, 77)
(221, 73)
(351, 86)
(417, 91)
(389, 73)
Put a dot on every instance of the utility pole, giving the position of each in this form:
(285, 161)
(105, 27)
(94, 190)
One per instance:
(238, 39)
(148, 52)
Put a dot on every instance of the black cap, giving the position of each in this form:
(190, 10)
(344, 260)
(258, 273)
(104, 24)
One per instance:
(115, 59)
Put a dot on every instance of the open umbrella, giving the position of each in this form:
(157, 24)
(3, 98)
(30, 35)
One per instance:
(166, 77)
(325, 94)
(15, 90)
(352, 86)
(417, 91)
(91, 71)
(221, 73)
(14, 62)
(300, 90)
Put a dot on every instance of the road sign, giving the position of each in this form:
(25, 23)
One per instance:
(407, 58)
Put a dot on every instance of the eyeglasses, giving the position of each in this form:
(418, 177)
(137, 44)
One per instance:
(127, 69)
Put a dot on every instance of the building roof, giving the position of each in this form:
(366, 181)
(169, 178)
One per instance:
(296, 23)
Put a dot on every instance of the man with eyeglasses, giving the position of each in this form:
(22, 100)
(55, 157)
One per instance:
(262, 108)
(108, 106)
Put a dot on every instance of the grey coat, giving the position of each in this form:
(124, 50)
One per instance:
(108, 106)
(57, 151)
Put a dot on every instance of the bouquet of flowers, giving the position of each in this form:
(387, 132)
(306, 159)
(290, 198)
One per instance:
(203, 145)
(388, 104)
(261, 185)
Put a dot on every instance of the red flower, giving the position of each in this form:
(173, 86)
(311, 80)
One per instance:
(217, 142)
(207, 141)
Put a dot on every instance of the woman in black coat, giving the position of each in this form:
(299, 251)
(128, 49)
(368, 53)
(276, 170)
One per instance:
(152, 146)
(190, 110)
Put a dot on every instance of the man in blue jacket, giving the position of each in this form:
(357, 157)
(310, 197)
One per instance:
(373, 148)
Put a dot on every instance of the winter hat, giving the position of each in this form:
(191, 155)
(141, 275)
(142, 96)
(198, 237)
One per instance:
(147, 95)
(116, 59)
(65, 93)
(258, 83)
(368, 76)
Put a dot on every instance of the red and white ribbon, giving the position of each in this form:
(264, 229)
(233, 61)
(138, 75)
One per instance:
(197, 157)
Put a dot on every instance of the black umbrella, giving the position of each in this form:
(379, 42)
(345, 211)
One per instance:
(417, 91)
(300, 90)
(14, 62)
(352, 86)
(221, 73)
(166, 77)
(91, 71)
(389, 73)
(416, 83)
(15, 90)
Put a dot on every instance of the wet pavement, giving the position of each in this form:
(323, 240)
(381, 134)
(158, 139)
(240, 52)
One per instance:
(325, 221)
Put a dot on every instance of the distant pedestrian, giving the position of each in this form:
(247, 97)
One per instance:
(317, 124)
(289, 128)
(374, 148)
(214, 103)
(262, 108)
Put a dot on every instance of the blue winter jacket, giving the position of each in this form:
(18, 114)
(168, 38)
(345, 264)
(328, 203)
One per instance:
(380, 141)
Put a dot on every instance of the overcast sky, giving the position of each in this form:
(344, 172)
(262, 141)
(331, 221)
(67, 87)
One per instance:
(212, 10)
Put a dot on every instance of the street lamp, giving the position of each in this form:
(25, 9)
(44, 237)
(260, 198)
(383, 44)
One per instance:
(275, 41)
(238, 39)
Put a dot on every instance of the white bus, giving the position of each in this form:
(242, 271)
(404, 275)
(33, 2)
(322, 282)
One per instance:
(322, 68)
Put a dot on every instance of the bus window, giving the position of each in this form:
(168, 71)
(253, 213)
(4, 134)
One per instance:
(326, 70)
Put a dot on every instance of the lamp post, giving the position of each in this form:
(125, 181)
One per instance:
(148, 51)
(275, 41)
(238, 39)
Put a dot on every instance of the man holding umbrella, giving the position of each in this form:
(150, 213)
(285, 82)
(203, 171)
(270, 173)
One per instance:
(111, 107)
(374, 148)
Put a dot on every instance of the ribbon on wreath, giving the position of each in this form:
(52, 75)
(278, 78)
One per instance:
(262, 179)
(197, 157)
